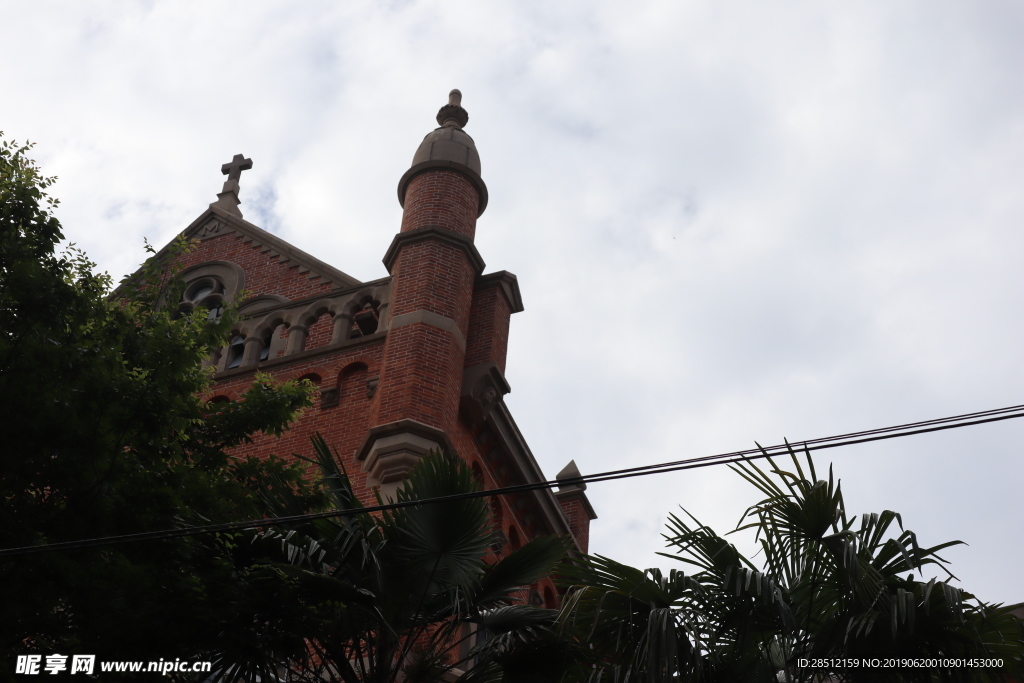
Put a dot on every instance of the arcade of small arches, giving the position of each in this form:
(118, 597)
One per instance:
(272, 326)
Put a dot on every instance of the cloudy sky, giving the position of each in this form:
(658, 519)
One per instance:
(731, 221)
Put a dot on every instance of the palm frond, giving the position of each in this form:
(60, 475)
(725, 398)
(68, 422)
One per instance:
(534, 560)
(443, 541)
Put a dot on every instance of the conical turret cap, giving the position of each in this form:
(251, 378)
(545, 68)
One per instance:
(448, 147)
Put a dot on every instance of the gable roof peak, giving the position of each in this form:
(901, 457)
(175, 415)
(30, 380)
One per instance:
(216, 221)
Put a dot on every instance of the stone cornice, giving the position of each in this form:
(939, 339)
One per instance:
(288, 252)
(509, 284)
(405, 426)
(432, 232)
(513, 442)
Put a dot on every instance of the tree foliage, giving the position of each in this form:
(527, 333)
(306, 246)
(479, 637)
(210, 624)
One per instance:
(104, 433)
(830, 587)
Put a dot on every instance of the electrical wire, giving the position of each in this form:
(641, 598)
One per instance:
(897, 431)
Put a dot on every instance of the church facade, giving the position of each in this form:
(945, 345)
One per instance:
(405, 364)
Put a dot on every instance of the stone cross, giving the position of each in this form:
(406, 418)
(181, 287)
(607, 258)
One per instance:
(233, 170)
(227, 198)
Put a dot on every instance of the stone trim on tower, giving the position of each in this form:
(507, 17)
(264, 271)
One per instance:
(432, 319)
(431, 232)
(389, 451)
(509, 285)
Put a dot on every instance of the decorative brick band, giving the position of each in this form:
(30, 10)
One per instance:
(434, 233)
(432, 319)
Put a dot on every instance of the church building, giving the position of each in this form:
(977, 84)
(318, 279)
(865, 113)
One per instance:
(405, 364)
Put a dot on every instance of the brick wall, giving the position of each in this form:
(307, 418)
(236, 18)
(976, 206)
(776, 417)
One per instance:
(469, 443)
(421, 379)
(434, 276)
(579, 521)
(343, 425)
(320, 332)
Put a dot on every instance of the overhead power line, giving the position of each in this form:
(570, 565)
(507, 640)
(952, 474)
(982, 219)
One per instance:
(909, 429)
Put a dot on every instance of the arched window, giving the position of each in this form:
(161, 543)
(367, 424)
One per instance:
(215, 404)
(206, 293)
(352, 382)
(268, 338)
(236, 350)
(365, 320)
(513, 539)
(549, 598)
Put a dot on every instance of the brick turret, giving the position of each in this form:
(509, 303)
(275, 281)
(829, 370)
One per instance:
(434, 267)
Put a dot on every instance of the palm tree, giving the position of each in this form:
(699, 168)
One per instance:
(831, 587)
(387, 596)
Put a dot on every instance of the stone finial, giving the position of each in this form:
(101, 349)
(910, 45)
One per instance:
(452, 115)
(227, 198)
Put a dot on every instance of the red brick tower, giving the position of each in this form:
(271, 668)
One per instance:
(406, 363)
(434, 267)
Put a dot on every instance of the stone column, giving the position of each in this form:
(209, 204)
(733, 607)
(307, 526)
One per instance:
(342, 324)
(253, 348)
(296, 339)
(382, 316)
(213, 360)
